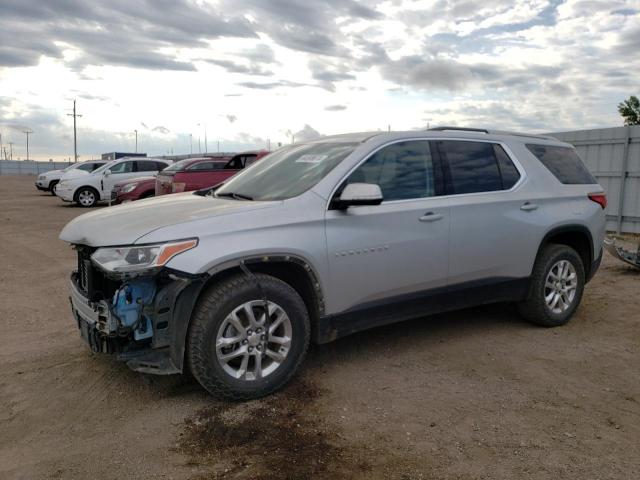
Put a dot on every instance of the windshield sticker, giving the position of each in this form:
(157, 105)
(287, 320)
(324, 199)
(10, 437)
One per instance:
(309, 158)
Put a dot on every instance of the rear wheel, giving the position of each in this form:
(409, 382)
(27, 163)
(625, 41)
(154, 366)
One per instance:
(87, 197)
(237, 352)
(556, 289)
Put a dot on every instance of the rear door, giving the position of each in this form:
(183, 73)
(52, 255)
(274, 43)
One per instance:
(385, 252)
(492, 217)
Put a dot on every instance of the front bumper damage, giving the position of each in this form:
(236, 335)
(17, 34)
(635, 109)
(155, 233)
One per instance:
(142, 321)
(627, 256)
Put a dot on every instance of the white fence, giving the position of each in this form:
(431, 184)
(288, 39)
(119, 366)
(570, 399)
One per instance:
(613, 156)
(29, 167)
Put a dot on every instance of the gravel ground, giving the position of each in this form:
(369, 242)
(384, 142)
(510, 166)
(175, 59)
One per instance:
(471, 395)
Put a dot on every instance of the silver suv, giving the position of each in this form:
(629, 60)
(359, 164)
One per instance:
(326, 238)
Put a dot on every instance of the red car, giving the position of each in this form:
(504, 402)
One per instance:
(134, 189)
(196, 173)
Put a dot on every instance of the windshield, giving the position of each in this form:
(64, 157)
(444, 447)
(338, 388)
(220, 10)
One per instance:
(105, 166)
(178, 166)
(287, 172)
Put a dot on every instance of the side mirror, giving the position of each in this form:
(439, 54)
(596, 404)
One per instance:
(107, 172)
(355, 194)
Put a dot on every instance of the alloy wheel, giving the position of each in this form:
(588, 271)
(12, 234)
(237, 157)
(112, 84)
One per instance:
(246, 348)
(560, 286)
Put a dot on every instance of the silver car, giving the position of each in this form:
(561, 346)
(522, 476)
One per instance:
(326, 238)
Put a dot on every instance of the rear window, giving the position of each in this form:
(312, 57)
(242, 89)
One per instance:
(564, 163)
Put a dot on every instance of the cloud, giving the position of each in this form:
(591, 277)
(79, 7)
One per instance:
(231, 118)
(328, 73)
(335, 108)
(161, 129)
(307, 133)
(234, 67)
(272, 85)
(118, 32)
(305, 26)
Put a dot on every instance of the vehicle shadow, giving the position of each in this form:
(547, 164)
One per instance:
(420, 334)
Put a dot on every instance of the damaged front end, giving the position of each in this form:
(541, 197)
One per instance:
(141, 316)
(628, 256)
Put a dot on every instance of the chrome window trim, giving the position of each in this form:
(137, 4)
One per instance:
(508, 151)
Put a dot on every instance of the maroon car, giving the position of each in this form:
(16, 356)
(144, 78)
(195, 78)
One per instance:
(196, 173)
(133, 189)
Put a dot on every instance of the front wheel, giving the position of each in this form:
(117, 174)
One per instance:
(556, 289)
(87, 197)
(234, 349)
(52, 187)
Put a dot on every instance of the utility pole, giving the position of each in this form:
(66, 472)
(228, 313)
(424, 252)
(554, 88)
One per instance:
(11, 150)
(218, 146)
(136, 140)
(206, 149)
(75, 141)
(191, 143)
(27, 132)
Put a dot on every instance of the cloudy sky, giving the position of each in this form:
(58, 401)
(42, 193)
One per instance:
(246, 71)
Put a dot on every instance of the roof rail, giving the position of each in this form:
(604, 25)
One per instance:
(464, 129)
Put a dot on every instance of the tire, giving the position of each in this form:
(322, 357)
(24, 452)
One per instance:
(86, 197)
(212, 323)
(52, 187)
(546, 305)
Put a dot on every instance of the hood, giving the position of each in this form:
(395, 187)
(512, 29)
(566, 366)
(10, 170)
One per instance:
(135, 180)
(74, 173)
(124, 224)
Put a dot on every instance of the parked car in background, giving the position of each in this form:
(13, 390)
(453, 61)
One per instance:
(326, 238)
(47, 181)
(196, 173)
(88, 190)
(136, 189)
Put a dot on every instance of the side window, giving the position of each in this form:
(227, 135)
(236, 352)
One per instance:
(96, 166)
(234, 164)
(122, 167)
(564, 163)
(161, 166)
(202, 166)
(508, 170)
(87, 167)
(248, 160)
(146, 166)
(472, 166)
(403, 171)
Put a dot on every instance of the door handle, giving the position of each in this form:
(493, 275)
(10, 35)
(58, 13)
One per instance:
(528, 207)
(431, 217)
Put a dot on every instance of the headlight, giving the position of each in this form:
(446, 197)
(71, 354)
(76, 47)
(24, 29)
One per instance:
(41, 177)
(128, 188)
(139, 258)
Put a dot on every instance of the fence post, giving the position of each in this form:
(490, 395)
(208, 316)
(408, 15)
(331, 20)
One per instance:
(623, 176)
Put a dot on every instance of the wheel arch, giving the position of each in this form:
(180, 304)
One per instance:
(294, 270)
(575, 236)
(77, 191)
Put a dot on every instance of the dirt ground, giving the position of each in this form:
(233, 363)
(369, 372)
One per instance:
(478, 394)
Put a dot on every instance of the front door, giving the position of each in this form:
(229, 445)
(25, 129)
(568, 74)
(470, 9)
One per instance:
(387, 252)
(119, 172)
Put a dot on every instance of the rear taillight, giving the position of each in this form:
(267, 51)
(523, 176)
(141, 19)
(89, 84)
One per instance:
(600, 198)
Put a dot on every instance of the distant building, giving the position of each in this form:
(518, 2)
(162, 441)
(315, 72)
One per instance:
(116, 155)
